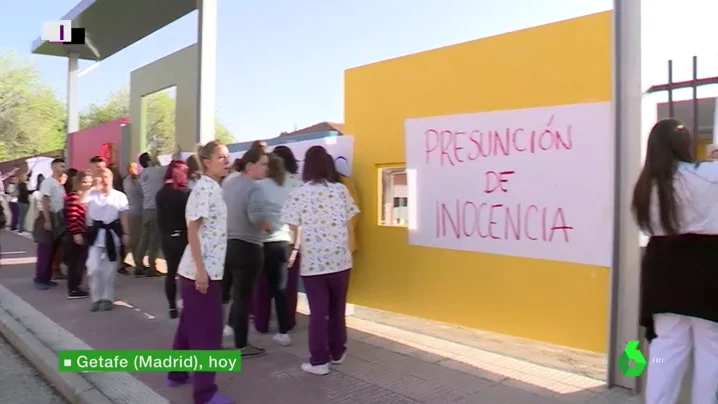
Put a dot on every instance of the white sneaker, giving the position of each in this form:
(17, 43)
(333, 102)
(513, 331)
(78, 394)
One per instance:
(228, 331)
(282, 339)
(340, 360)
(319, 370)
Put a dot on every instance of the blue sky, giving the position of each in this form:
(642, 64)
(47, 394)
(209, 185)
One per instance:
(280, 63)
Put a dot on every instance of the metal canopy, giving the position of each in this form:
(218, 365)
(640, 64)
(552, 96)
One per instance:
(113, 25)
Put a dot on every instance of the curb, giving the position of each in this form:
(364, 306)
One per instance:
(38, 339)
(73, 387)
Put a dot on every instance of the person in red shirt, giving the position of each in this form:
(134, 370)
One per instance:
(76, 248)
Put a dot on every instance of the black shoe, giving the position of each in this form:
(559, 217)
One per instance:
(52, 284)
(173, 313)
(251, 351)
(77, 294)
(123, 271)
(140, 272)
(41, 286)
(153, 273)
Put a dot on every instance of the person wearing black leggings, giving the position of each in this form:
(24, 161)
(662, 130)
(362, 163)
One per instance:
(171, 201)
(75, 240)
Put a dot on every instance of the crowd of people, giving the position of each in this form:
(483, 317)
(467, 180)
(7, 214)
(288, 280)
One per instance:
(235, 239)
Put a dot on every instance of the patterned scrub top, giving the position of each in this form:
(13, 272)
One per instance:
(322, 211)
(205, 202)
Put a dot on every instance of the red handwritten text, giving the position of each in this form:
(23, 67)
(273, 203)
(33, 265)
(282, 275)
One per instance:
(465, 219)
(453, 147)
(496, 180)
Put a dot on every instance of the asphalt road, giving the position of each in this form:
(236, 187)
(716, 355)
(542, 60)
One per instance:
(20, 383)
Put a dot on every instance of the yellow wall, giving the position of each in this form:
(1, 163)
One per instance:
(562, 63)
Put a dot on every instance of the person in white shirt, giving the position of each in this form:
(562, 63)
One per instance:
(674, 201)
(200, 272)
(50, 224)
(321, 211)
(106, 219)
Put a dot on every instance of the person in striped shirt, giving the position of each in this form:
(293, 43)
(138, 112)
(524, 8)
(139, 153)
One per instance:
(76, 248)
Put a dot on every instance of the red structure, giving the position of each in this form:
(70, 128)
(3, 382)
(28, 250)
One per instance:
(101, 140)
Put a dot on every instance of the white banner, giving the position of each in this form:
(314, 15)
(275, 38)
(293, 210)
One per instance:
(534, 183)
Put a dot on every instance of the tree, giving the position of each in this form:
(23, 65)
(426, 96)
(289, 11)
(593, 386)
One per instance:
(32, 118)
(160, 118)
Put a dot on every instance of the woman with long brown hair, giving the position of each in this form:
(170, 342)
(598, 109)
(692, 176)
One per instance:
(76, 246)
(674, 201)
(321, 210)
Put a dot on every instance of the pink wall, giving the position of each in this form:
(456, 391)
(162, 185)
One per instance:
(86, 143)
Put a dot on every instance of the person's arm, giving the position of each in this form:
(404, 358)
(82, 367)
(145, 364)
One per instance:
(294, 229)
(45, 201)
(125, 222)
(257, 210)
(8, 174)
(123, 207)
(350, 210)
(292, 214)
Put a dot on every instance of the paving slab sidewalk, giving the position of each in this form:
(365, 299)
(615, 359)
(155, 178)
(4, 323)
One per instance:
(385, 365)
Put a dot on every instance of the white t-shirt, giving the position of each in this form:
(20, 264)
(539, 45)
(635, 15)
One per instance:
(696, 189)
(206, 202)
(52, 189)
(322, 212)
(106, 209)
